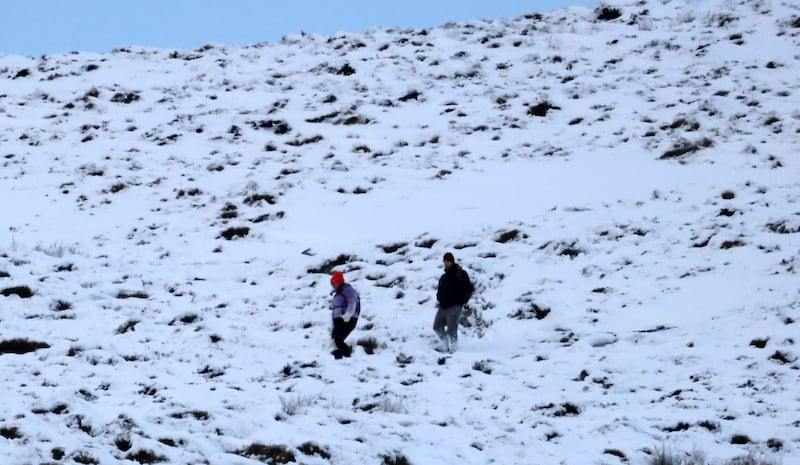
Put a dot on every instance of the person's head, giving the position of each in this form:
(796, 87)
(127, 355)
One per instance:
(448, 260)
(337, 279)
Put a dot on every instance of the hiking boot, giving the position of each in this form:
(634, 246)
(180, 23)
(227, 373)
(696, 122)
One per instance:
(452, 345)
(441, 345)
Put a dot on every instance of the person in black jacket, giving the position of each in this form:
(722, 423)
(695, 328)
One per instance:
(453, 292)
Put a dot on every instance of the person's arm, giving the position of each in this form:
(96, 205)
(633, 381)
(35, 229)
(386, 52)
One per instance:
(352, 301)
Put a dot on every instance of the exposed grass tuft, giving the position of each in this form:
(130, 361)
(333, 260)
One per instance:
(10, 433)
(369, 344)
(309, 448)
(395, 459)
(145, 456)
(23, 292)
(21, 346)
(608, 14)
(328, 266)
(271, 454)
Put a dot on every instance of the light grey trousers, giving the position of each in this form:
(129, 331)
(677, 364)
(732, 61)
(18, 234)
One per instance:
(446, 322)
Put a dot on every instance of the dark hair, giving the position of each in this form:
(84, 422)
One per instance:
(448, 257)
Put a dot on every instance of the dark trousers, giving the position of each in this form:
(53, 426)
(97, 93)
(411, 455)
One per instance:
(340, 332)
(446, 322)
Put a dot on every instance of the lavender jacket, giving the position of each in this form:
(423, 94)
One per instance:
(345, 300)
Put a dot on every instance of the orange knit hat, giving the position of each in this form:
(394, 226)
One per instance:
(337, 278)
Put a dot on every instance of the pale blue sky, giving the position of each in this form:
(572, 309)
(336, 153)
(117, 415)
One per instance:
(36, 27)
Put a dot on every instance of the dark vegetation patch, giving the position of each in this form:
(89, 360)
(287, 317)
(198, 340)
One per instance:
(616, 453)
(685, 147)
(129, 325)
(25, 72)
(124, 444)
(657, 329)
(353, 120)
(507, 236)
(702, 243)
(230, 233)
(57, 453)
(126, 98)
(171, 442)
(566, 409)
(196, 414)
(392, 248)
(680, 426)
(272, 454)
(484, 366)
(192, 192)
(740, 439)
(267, 217)
(210, 372)
(370, 344)
(688, 125)
(395, 459)
(345, 70)
(307, 140)
(117, 187)
(782, 357)
(775, 444)
(403, 360)
(123, 294)
(426, 243)
(21, 346)
(530, 311)
(413, 95)
(67, 267)
(731, 244)
(608, 14)
(709, 425)
(311, 449)
(10, 432)
(781, 227)
(328, 266)
(279, 127)
(541, 109)
(84, 458)
(323, 118)
(145, 456)
(189, 318)
(257, 199)
(229, 212)
(570, 250)
(23, 292)
(58, 409)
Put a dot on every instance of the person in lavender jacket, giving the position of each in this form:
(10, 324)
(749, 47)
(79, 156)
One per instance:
(345, 310)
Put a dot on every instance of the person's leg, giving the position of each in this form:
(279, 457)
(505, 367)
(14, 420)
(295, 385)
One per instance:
(453, 316)
(346, 330)
(339, 333)
(439, 323)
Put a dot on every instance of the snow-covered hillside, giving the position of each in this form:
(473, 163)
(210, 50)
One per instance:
(623, 185)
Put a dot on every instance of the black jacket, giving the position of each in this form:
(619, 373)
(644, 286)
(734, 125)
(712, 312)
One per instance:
(455, 288)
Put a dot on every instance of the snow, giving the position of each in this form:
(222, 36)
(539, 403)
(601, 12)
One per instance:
(626, 301)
